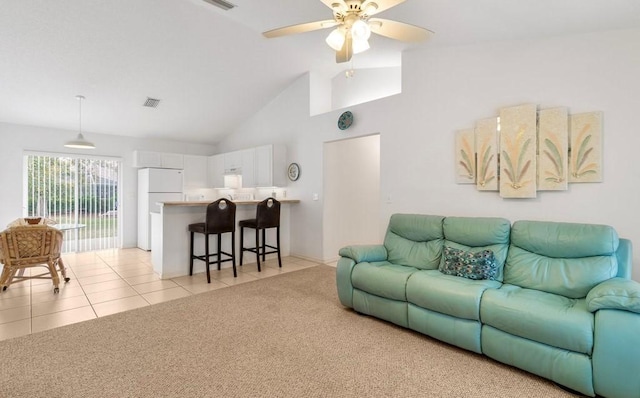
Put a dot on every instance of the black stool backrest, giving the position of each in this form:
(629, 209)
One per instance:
(268, 213)
(221, 217)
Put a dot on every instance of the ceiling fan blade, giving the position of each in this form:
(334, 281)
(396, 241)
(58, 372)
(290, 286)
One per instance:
(399, 30)
(345, 54)
(300, 28)
(330, 3)
(382, 5)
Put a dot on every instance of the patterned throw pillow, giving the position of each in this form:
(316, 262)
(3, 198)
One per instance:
(479, 265)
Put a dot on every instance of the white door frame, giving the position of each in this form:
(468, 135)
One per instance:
(351, 207)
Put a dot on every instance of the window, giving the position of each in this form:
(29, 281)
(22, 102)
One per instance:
(81, 193)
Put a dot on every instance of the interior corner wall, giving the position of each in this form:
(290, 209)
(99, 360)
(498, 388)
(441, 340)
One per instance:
(16, 139)
(449, 88)
(365, 85)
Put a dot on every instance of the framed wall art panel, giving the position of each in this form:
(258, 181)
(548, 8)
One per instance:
(465, 157)
(553, 148)
(487, 154)
(518, 138)
(585, 159)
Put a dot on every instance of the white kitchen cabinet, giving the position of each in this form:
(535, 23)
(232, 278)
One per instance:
(171, 160)
(240, 163)
(160, 160)
(195, 172)
(248, 168)
(233, 162)
(216, 170)
(271, 166)
(263, 166)
(146, 159)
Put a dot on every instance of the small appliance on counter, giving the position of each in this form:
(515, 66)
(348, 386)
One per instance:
(243, 196)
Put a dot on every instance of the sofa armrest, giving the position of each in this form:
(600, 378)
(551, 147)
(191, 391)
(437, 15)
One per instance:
(349, 257)
(364, 253)
(615, 293)
(616, 349)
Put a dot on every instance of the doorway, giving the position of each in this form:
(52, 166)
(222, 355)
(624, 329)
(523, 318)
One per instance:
(351, 212)
(80, 193)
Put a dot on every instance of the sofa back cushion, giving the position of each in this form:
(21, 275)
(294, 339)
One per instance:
(478, 234)
(414, 240)
(561, 258)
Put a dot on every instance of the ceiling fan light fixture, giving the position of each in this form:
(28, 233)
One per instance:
(370, 8)
(360, 30)
(80, 142)
(360, 45)
(336, 39)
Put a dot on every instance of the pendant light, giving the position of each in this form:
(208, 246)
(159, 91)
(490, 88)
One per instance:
(80, 142)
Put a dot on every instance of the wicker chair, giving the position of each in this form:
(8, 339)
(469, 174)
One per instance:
(30, 246)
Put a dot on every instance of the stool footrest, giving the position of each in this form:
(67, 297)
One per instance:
(254, 250)
(215, 260)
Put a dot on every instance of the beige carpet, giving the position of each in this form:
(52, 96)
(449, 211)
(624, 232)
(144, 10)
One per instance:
(284, 336)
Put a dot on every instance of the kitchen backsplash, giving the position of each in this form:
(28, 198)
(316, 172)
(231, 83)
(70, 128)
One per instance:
(235, 194)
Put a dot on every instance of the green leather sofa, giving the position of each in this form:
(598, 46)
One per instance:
(558, 300)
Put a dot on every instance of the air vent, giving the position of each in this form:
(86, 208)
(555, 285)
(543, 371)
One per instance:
(225, 5)
(151, 102)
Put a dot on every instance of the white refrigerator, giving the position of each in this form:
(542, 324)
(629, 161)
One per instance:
(155, 185)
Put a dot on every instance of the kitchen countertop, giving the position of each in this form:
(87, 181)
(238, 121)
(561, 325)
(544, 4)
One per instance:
(206, 202)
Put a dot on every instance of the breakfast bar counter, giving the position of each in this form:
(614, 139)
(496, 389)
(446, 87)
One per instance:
(170, 234)
(237, 202)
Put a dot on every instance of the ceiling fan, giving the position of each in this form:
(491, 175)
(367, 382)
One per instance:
(353, 26)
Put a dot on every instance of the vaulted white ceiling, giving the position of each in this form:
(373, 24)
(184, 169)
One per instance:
(212, 68)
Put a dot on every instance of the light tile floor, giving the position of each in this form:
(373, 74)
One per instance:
(106, 282)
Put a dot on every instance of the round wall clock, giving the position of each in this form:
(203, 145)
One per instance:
(293, 171)
(345, 120)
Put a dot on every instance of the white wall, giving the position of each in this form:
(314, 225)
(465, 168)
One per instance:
(445, 89)
(15, 139)
(365, 85)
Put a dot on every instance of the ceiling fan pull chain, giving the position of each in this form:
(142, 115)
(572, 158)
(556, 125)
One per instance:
(350, 72)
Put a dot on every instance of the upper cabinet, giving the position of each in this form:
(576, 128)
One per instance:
(248, 168)
(161, 160)
(216, 170)
(263, 166)
(195, 172)
(270, 166)
(232, 162)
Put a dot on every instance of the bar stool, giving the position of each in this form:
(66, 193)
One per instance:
(267, 216)
(220, 219)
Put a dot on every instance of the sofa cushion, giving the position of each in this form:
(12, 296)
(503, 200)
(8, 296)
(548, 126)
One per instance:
(539, 316)
(477, 234)
(471, 265)
(382, 279)
(565, 240)
(561, 258)
(446, 294)
(414, 240)
(477, 231)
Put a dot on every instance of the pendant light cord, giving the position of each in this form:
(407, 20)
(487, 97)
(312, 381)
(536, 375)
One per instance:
(80, 98)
